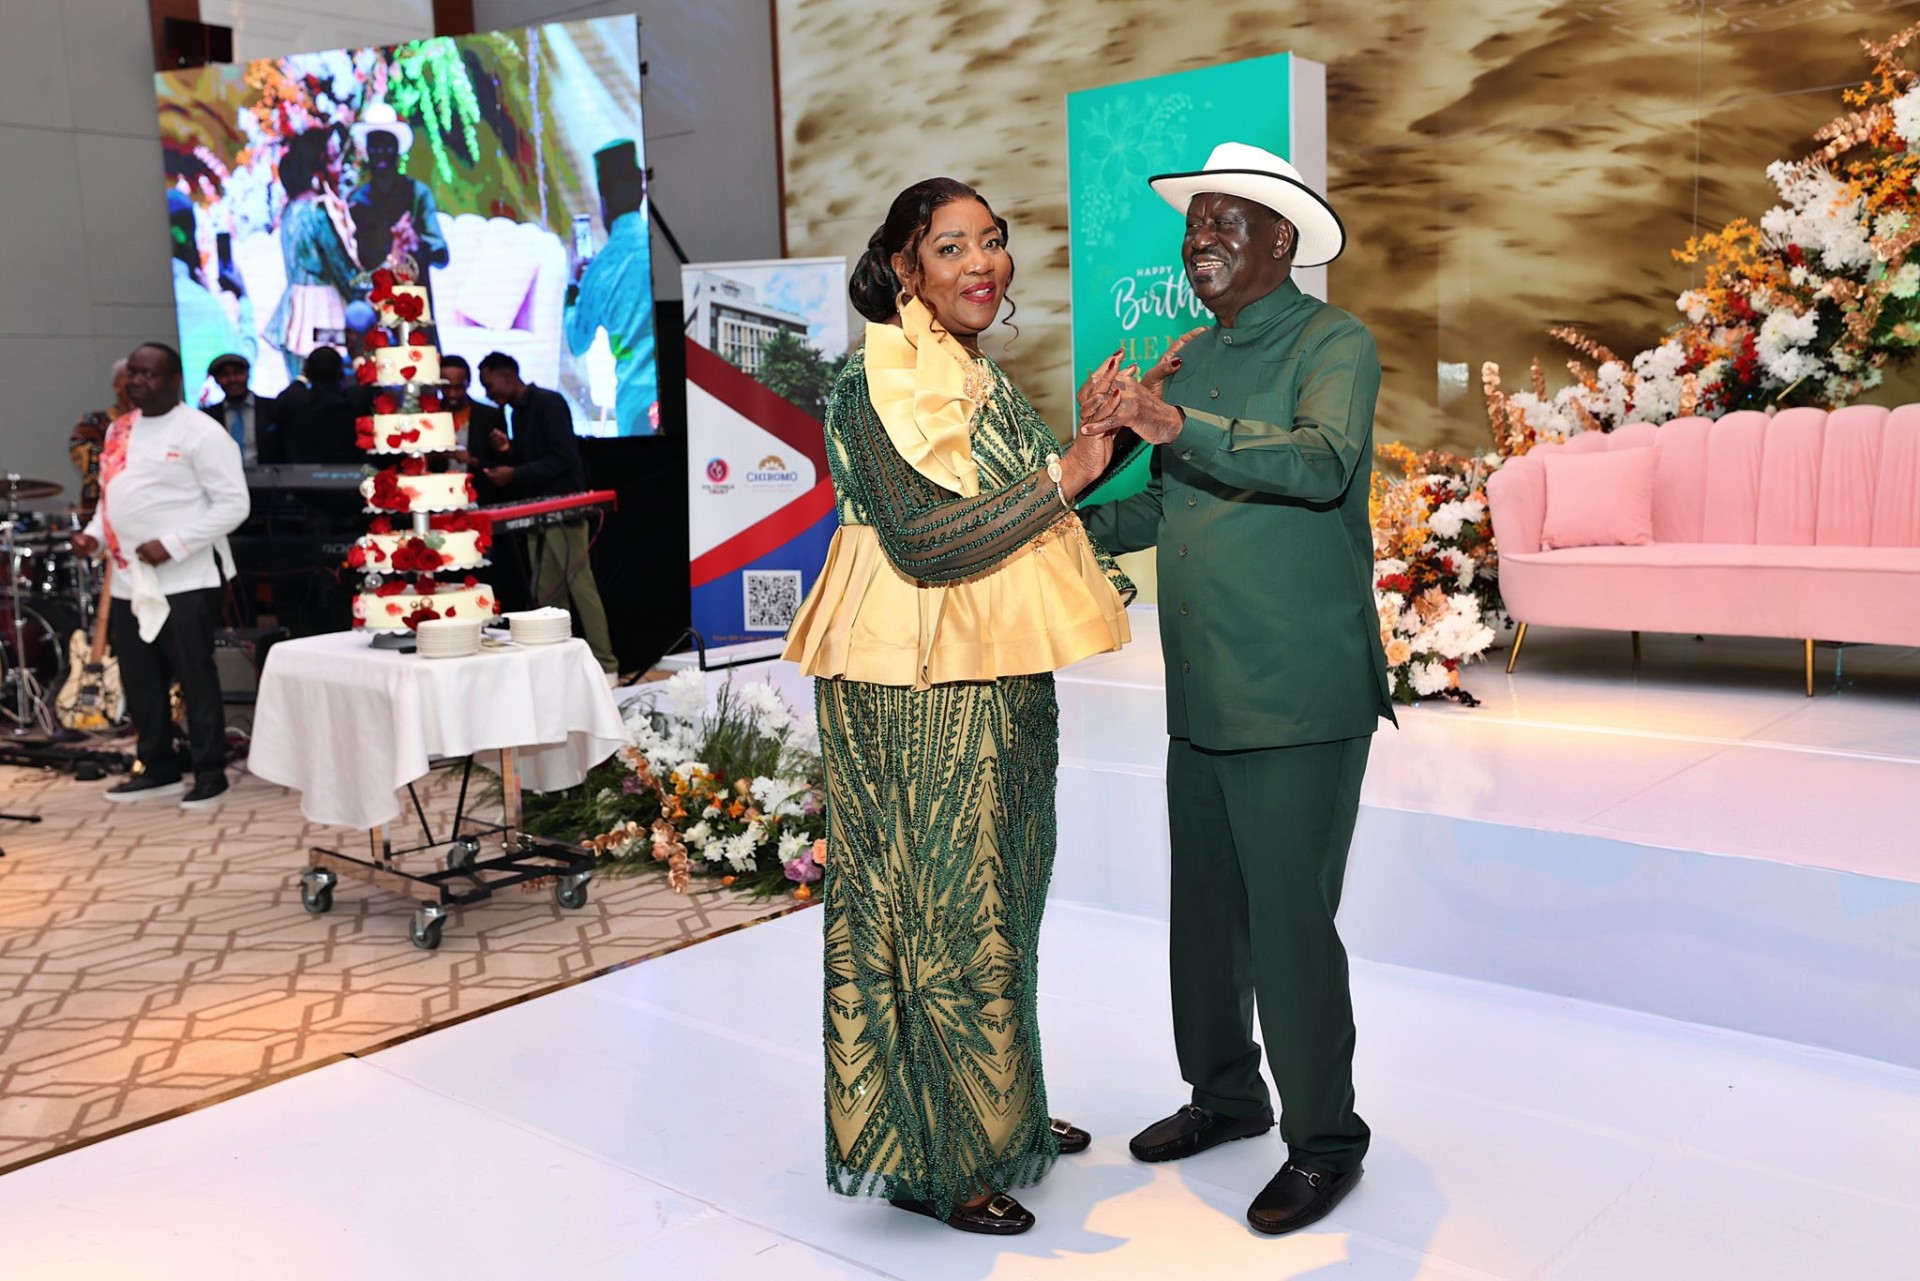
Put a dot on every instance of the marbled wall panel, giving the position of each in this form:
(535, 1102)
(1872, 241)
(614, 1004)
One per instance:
(1758, 48)
(1502, 166)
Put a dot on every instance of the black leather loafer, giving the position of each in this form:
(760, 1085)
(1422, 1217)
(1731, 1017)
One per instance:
(1194, 1129)
(1070, 1137)
(1298, 1196)
(998, 1216)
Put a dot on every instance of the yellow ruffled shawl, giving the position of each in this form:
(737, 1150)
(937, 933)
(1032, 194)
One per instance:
(1047, 605)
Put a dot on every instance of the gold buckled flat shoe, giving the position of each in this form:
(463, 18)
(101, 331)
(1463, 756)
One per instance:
(998, 1216)
(1071, 1138)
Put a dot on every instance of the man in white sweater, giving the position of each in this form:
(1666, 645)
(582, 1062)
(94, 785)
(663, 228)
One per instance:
(171, 490)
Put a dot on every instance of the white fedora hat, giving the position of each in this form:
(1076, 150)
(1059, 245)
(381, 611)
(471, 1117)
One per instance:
(1242, 170)
(379, 117)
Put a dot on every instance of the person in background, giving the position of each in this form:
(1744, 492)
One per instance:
(318, 412)
(84, 442)
(209, 323)
(477, 422)
(318, 247)
(394, 216)
(171, 490)
(613, 291)
(253, 423)
(542, 459)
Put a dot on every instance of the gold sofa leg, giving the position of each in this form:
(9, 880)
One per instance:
(1809, 668)
(1520, 639)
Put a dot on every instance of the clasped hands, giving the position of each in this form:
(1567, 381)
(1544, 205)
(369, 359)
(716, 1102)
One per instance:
(1116, 399)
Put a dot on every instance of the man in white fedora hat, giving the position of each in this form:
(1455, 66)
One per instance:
(394, 216)
(1276, 678)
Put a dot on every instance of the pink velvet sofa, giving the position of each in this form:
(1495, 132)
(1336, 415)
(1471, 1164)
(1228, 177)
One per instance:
(1802, 525)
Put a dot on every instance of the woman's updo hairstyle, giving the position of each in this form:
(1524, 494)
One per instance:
(874, 288)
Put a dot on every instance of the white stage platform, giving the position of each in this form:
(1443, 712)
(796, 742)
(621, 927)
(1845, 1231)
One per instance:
(1693, 837)
(665, 1121)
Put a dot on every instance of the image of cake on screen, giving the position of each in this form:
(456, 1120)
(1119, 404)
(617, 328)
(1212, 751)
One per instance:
(503, 171)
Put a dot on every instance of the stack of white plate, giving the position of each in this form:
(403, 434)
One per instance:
(447, 637)
(540, 626)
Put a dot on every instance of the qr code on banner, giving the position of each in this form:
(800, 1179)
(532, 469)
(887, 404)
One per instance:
(773, 598)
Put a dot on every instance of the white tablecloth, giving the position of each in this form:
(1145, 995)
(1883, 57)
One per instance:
(349, 726)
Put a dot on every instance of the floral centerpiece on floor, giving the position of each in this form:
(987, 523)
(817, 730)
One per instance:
(723, 787)
(1436, 577)
(1808, 306)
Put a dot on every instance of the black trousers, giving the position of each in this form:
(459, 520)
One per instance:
(183, 651)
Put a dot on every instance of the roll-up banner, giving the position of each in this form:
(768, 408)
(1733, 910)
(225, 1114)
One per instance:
(765, 340)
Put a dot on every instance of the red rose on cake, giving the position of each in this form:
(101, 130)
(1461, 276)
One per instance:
(386, 493)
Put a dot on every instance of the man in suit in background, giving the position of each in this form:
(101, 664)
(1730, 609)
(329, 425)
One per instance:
(252, 422)
(538, 457)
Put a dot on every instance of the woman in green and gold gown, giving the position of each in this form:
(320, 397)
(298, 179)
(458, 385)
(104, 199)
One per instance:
(958, 582)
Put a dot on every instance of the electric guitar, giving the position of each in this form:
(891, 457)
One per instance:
(92, 698)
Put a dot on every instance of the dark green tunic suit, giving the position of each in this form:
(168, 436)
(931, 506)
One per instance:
(1275, 683)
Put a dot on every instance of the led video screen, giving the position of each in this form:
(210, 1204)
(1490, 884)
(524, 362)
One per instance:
(506, 170)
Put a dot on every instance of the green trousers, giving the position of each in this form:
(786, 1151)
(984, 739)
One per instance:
(563, 577)
(1259, 853)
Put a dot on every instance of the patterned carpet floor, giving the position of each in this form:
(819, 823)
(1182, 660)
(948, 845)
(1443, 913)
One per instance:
(153, 961)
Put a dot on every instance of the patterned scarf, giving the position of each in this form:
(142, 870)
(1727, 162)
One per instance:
(113, 461)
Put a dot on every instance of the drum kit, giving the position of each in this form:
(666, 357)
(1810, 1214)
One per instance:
(49, 592)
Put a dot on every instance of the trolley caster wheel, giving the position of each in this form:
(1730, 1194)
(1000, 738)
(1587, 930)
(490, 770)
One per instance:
(465, 853)
(425, 933)
(571, 895)
(317, 899)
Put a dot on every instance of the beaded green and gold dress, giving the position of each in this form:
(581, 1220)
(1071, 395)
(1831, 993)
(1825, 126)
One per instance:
(956, 585)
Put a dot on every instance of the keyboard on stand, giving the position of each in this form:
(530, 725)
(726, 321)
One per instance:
(309, 477)
(538, 513)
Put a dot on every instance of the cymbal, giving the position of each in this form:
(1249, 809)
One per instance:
(19, 488)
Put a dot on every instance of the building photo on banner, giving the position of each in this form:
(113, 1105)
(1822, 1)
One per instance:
(506, 171)
(765, 341)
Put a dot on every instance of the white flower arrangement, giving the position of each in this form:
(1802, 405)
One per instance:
(1434, 570)
(713, 782)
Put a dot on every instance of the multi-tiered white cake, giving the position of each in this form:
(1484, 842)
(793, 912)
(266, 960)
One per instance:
(421, 546)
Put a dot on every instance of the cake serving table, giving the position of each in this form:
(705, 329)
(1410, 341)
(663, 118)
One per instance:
(352, 728)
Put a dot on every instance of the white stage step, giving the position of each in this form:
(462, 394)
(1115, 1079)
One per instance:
(1696, 839)
(1692, 837)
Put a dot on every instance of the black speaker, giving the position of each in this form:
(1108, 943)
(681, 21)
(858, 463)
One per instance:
(240, 653)
(187, 43)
